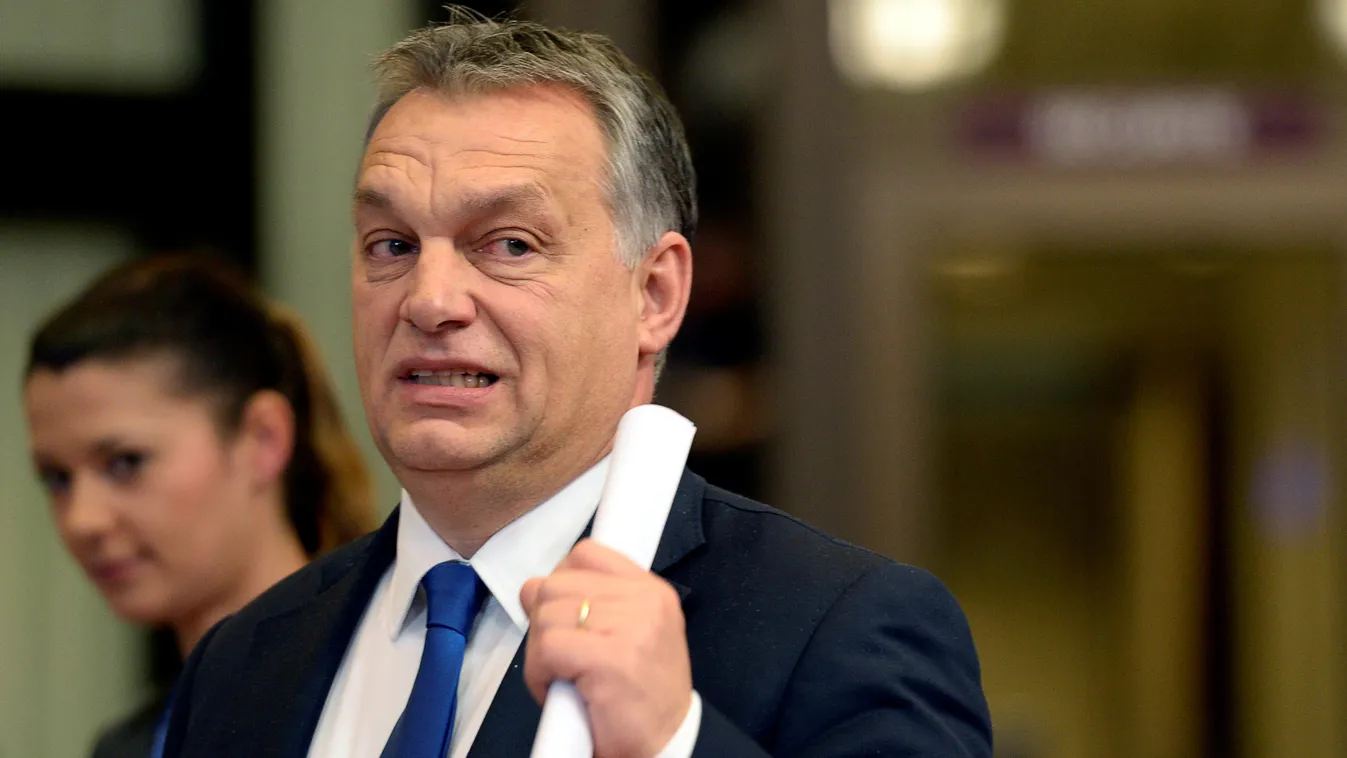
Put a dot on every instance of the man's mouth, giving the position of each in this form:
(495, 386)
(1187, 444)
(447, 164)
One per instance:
(461, 379)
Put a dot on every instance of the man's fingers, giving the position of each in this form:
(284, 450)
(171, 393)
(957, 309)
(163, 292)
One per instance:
(566, 613)
(528, 595)
(587, 572)
(563, 653)
(592, 556)
(576, 584)
(601, 617)
(561, 584)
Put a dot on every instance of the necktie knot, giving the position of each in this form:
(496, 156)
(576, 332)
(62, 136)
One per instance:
(453, 596)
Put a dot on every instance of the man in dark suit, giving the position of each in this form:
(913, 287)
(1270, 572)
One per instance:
(522, 216)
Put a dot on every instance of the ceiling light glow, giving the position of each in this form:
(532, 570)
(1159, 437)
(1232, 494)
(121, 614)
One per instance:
(913, 44)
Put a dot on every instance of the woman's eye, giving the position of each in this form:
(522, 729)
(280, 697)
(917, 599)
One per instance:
(124, 467)
(393, 248)
(56, 483)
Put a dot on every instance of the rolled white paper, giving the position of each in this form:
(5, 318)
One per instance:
(649, 452)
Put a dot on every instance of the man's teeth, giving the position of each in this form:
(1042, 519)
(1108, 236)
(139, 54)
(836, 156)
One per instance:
(453, 378)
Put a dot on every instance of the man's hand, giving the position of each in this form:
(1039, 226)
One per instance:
(629, 662)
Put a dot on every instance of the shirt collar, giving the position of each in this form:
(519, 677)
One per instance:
(530, 546)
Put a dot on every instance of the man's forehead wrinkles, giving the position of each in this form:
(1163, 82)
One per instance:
(413, 148)
(533, 169)
(541, 155)
(394, 162)
(385, 160)
(525, 140)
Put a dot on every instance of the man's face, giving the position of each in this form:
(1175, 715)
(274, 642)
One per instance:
(495, 328)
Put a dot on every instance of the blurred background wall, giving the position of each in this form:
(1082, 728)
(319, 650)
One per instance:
(1046, 297)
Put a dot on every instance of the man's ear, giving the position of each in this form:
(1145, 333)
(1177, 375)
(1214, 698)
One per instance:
(665, 282)
(266, 437)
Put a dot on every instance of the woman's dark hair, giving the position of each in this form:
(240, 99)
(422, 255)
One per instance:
(229, 343)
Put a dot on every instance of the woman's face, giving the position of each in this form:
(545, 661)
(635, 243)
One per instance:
(146, 495)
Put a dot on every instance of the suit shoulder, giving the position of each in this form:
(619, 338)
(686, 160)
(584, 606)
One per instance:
(847, 579)
(310, 579)
(777, 557)
(772, 535)
(836, 635)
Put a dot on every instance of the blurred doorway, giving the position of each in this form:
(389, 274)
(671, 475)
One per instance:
(1132, 483)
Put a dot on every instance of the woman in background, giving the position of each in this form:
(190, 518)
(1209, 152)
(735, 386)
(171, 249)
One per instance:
(192, 450)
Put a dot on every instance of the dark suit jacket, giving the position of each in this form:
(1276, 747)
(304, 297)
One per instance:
(801, 645)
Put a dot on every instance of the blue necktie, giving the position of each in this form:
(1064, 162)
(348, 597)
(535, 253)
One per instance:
(453, 595)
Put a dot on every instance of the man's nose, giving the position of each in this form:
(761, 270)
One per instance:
(441, 294)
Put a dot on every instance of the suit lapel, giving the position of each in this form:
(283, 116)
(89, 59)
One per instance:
(512, 720)
(683, 532)
(300, 649)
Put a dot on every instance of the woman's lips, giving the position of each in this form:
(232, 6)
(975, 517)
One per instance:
(115, 572)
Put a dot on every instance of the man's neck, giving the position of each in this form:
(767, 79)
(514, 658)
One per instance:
(467, 508)
(466, 526)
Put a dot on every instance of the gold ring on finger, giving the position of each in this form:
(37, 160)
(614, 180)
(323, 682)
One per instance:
(584, 614)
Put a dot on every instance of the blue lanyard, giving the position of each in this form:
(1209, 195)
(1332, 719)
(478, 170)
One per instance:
(161, 726)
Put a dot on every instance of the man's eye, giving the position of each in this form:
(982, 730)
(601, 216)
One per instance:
(391, 248)
(510, 247)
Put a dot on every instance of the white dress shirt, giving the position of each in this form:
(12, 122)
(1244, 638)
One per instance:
(375, 679)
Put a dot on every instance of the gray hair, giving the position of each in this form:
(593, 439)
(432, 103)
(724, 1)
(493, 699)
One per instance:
(650, 185)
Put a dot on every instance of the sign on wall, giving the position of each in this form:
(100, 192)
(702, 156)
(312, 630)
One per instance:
(1141, 128)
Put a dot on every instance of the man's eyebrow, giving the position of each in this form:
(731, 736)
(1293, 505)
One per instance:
(369, 198)
(529, 197)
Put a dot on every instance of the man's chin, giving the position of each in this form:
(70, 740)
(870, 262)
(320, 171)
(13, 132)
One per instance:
(424, 453)
(439, 464)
